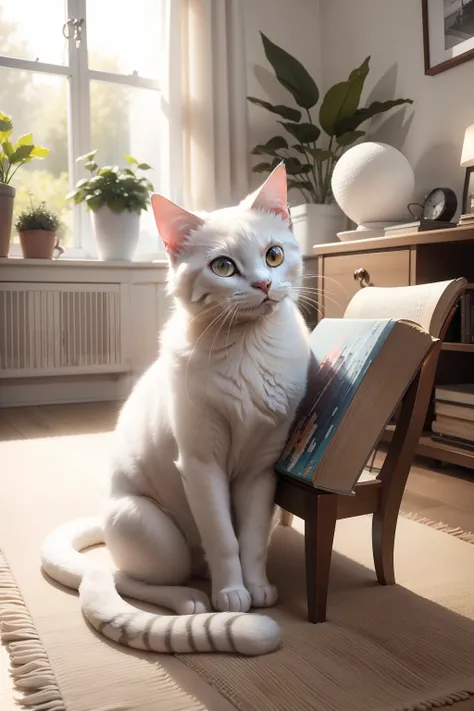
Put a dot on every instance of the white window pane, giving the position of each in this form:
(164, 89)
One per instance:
(38, 104)
(125, 120)
(32, 29)
(124, 38)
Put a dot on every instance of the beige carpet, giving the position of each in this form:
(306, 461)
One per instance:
(409, 646)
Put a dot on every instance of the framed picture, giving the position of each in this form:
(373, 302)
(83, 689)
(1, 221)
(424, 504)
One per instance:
(448, 33)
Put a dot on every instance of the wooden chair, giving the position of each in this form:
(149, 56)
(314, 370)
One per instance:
(381, 496)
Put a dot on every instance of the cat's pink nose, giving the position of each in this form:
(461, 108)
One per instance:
(263, 285)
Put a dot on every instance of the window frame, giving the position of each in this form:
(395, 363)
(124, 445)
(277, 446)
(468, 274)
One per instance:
(79, 126)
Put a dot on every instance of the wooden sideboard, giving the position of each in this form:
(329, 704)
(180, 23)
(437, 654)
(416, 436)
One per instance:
(343, 267)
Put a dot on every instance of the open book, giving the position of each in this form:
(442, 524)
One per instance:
(359, 372)
(426, 304)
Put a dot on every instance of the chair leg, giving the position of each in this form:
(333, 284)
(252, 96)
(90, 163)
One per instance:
(286, 518)
(383, 542)
(396, 467)
(320, 522)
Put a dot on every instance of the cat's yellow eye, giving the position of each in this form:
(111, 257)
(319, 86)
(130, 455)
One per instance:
(275, 256)
(223, 267)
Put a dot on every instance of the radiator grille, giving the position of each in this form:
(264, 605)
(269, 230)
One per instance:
(58, 329)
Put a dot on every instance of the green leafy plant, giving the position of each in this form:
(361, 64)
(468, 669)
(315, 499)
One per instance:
(37, 218)
(119, 188)
(14, 155)
(310, 165)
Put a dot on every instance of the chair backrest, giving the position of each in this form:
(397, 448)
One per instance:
(432, 306)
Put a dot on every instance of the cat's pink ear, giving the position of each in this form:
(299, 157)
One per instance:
(273, 195)
(174, 223)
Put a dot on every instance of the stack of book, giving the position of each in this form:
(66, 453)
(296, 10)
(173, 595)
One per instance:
(454, 416)
(466, 220)
(410, 228)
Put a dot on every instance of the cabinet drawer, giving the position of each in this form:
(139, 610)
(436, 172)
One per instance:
(339, 285)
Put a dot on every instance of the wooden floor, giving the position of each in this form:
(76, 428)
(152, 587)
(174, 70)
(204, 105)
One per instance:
(445, 495)
(56, 420)
(442, 494)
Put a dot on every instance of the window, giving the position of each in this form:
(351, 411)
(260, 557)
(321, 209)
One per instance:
(98, 89)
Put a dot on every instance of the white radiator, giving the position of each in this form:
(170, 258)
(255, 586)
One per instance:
(61, 329)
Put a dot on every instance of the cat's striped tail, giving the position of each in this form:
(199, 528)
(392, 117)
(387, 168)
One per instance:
(100, 589)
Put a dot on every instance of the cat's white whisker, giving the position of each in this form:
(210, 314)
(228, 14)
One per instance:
(310, 290)
(309, 299)
(312, 304)
(323, 276)
(304, 308)
(227, 312)
(232, 319)
(201, 314)
(214, 322)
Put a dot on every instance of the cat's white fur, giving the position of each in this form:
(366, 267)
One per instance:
(194, 449)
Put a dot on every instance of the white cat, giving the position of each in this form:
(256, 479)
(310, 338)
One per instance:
(193, 453)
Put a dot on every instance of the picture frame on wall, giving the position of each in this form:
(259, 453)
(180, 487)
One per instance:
(448, 34)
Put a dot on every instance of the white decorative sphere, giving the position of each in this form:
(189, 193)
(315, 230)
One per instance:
(373, 182)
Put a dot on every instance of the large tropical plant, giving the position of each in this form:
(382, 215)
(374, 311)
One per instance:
(14, 155)
(309, 161)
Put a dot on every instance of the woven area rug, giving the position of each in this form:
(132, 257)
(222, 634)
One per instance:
(399, 648)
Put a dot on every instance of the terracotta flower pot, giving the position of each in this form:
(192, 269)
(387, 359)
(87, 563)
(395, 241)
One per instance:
(39, 244)
(7, 194)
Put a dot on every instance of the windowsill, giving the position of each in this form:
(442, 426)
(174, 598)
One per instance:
(81, 262)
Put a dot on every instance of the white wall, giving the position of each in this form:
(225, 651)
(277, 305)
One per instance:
(431, 132)
(293, 25)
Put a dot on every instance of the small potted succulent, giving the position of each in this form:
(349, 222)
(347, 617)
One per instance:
(116, 196)
(12, 157)
(37, 227)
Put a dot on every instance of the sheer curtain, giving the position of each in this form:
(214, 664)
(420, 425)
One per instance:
(205, 158)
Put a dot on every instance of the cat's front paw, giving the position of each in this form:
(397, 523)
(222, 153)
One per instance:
(236, 599)
(190, 601)
(263, 595)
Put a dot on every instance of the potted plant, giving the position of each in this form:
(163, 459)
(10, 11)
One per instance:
(312, 151)
(37, 227)
(12, 156)
(116, 197)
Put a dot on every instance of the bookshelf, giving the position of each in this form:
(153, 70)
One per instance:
(343, 267)
(438, 451)
(458, 347)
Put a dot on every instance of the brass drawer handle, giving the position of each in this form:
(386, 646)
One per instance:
(362, 276)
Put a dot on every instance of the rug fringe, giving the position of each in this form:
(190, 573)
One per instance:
(467, 536)
(439, 703)
(29, 663)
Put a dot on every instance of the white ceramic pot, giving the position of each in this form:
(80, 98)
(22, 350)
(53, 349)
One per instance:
(116, 234)
(316, 224)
